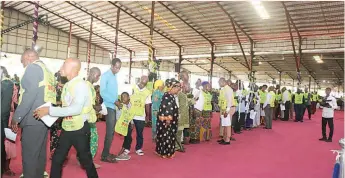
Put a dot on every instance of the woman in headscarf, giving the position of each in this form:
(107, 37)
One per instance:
(205, 106)
(156, 102)
(167, 121)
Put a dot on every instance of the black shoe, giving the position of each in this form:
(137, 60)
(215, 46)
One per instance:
(295, 120)
(329, 140)
(323, 139)
(301, 121)
(224, 143)
(220, 141)
(232, 139)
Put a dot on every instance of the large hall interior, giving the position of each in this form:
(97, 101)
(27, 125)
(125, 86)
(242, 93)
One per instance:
(296, 45)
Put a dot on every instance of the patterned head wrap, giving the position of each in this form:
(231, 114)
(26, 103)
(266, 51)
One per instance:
(204, 83)
(170, 83)
(158, 83)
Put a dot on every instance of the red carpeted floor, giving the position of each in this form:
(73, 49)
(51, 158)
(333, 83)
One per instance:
(290, 150)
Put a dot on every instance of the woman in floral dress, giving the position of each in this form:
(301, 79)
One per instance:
(167, 121)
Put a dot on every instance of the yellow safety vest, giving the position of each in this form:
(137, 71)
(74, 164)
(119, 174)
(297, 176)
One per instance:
(262, 96)
(207, 101)
(279, 97)
(48, 82)
(306, 97)
(138, 99)
(299, 98)
(315, 97)
(126, 117)
(73, 123)
(222, 99)
(273, 98)
(149, 86)
(235, 101)
(93, 114)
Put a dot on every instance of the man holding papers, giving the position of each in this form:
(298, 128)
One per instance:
(36, 88)
(76, 109)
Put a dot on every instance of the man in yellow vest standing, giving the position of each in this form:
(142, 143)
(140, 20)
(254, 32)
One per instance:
(315, 99)
(140, 103)
(307, 103)
(225, 101)
(37, 88)
(262, 95)
(76, 109)
(269, 107)
(299, 105)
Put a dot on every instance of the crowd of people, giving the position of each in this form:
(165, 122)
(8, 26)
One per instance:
(179, 114)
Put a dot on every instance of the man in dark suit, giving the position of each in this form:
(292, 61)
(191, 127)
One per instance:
(37, 88)
(6, 100)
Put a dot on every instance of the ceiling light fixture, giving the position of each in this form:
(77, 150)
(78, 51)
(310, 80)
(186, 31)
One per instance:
(318, 59)
(260, 62)
(260, 9)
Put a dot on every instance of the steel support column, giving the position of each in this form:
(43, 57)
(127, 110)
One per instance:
(280, 79)
(89, 47)
(212, 62)
(78, 48)
(180, 59)
(35, 25)
(1, 23)
(69, 40)
(297, 58)
(130, 66)
(117, 31)
(150, 59)
(309, 84)
(230, 75)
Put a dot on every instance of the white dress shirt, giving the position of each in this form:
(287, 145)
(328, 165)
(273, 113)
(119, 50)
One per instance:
(268, 98)
(329, 112)
(286, 96)
(75, 102)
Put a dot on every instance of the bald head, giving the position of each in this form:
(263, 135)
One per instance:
(222, 82)
(143, 81)
(28, 57)
(70, 68)
(94, 75)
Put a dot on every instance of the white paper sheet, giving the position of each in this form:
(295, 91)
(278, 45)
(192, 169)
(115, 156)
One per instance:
(252, 114)
(282, 107)
(48, 120)
(104, 110)
(10, 135)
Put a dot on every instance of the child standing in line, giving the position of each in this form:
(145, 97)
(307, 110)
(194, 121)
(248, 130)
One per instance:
(124, 126)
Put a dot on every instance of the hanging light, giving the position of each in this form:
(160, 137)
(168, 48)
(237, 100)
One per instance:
(318, 59)
(260, 9)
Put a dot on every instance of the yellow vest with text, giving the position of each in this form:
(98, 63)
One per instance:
(279, 97)
(315, 97)
(299, 98)
(73, 123)
(222, 102)
(122, 124)
(207, 101)
(138, 99)
(273, 98)
(48, 82)
(93, 114)
(262, 96)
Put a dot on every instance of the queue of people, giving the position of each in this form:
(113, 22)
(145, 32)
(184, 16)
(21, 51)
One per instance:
(180, 115)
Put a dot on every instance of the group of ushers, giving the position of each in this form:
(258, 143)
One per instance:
(179, 116)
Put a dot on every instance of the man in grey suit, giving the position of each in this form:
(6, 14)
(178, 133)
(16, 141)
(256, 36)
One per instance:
(34, 132)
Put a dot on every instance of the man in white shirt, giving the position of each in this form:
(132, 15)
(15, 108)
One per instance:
(139, 121)
(329, 104)
(287, 103)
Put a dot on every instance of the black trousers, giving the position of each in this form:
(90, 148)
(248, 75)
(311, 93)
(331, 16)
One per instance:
(287, 111)
(139, 128)
(330, 125)
(238, 120)
(307, 107)
(127, 142)
(3, 152)
(299, 112)
(80, 140)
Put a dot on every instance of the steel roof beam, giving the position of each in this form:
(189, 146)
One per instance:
(80, 26)
(106, 22)
(170, 10)
(342, 68)
(289, 16)
(148, 26)
(232, 19)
